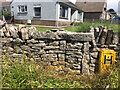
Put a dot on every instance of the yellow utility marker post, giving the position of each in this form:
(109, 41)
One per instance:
(106, 60)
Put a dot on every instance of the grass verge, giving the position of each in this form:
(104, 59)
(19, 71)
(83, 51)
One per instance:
(27, 73)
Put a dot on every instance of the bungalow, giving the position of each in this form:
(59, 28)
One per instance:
(93, 9)
(46, 12)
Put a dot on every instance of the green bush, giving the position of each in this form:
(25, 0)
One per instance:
(7, 15)
(0, 15)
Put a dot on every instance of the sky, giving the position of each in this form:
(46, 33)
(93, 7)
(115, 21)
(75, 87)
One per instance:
(110, 4)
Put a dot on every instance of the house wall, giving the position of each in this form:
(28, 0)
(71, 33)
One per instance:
(71, 18)
(48, 10)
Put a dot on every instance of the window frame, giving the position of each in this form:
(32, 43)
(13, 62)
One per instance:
(24, 7)
(63, 13)
(34, 11)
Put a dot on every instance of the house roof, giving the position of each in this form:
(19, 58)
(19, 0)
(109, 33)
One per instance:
(67, 2)
(6, 4)
(88, 6)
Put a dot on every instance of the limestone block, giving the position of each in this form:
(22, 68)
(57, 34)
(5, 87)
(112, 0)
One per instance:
(18, 41)
(76, 36)
(96, 32)
(93, 61)
(115, 38)
(103, 36)
(109, 37)
(50, 57)
(61, 57)
(94, 54)
(13, 32)
(92, 69)
(100, 32)
(24, 34)
(55, 52)
(62, 45)
(51, 47)
(10, 49)
(54, 43)
(85, 67)
(32, 41)
(75, 66)
(92, 65)
(85, 47)
(32, 31)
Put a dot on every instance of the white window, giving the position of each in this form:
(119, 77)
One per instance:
(37, 11)
(63, 12)
(22, 8)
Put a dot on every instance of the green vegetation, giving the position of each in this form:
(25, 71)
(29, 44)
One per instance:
(7, 15)
(42, 29)
(0, 15)
(28, 73)
(82, 27)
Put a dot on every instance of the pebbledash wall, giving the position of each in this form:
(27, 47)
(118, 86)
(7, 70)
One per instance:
(75, 52)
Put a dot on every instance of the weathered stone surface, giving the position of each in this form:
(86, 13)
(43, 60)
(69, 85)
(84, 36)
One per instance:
(24, 34)
(75, 67)
(109, 37)
(61, 57)
(32, 41)
(94, 54)
(16, 55)
(85, 67)
(55, 52)
(10, 49)
(92, 69)
(24, 47)
(2, 24)
(54, 43)
(76, 36)
(85, 47)
(62, 45)
(96, 32)
(18, 41)
(92, 65)
(100, 32)
(50, 57)
(77, 52)
(93, 61)
(32, 31)
(103, 36)
(115, 38)
(2, 34)
(13, 32)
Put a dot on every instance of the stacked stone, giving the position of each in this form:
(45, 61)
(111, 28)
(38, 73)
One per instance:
(74, 55)
(73, 51)
(105, 38)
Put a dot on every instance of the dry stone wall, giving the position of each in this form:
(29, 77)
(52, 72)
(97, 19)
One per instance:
(75, 52)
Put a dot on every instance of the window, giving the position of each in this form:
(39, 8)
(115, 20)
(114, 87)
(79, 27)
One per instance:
(37, 11)
(22, 8)
(63, 12)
